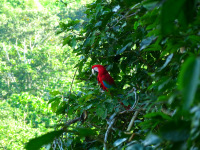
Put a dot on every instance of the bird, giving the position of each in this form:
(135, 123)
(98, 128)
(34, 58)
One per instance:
(105, 81)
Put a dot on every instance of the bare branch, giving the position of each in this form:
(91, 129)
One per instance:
(107, 132)
(72, 121)
(126, 15)
(132, 120)
(111, 121)
(70, 91)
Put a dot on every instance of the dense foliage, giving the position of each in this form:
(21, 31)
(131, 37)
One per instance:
(31, 57)
(151, 49)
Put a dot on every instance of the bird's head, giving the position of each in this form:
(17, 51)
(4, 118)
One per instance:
(98, 68)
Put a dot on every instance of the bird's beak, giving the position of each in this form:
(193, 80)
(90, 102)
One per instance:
(95, 69)
(92, 71)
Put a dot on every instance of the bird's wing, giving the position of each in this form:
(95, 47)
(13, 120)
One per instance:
(108, 81)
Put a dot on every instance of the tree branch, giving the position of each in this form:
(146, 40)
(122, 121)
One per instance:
(132, 120)
(70, 91)
(72, 121)
(110, 122)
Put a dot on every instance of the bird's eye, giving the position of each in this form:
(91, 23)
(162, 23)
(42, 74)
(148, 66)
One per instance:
(94, 70)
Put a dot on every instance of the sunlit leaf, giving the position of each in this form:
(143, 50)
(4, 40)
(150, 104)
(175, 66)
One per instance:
(55, 104)
(54, 93)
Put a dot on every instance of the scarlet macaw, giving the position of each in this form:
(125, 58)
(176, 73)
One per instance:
(105, 80)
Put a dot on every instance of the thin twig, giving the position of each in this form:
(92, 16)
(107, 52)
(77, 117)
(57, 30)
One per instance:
(72, 82)
(70, 91)
(125, 17)
(131, 137)
(132, 121)
(136, 100)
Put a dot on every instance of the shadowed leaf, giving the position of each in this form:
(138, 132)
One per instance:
(37, 143)
(188, 80)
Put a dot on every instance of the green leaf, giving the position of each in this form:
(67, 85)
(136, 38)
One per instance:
(83, 132)
(154, 119)
(163, 81)
(119, 142)
(194, 38)
(54, 99)
(168, 17)
(152, 139)
(55, 104)
(63, 26)
(98, 24)
(37, 143)
(146, 42)
(150, 5)
(195, 132)
(54, 93)
(188, 13)
(67, 40)
(169, 58)
(124, 48)
(153, 47)
(137, 146)
(73, 42)
(61, 108)
(175, 131)
(149, 124)
(158, 115)
(188, 80)
(101, 112)
(98, 9)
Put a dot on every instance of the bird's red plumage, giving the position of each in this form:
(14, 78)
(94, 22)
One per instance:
(103, 75)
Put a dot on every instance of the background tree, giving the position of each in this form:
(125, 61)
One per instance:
(33, 63)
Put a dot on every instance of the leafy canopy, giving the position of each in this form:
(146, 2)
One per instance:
(151, 49)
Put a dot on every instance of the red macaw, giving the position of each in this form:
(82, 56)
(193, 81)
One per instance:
(105, 80)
